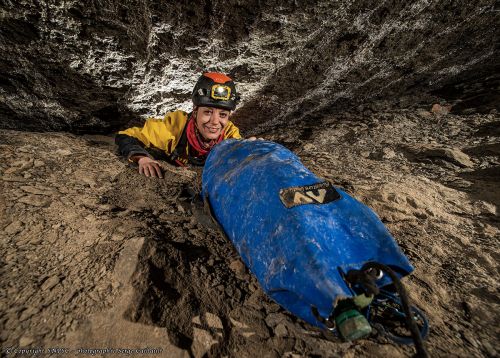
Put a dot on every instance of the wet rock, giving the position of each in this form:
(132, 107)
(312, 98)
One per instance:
(117, 237)
(484, 207)
(52, 237)
(489, 348)
(34, 190)
(4, 335)
(449, 154)
(291, 355)
(11, 170)
(38, 163)
(63, 152)
(274, 319)
(35, 200)
(241, 328)
(180, 208)
(20, 165)
(204, 339)
(14, 227)
(386, 153)
(50, 282)
(233, 292)
(309, 147)
(25, 341)
(454, 326)
(253, 319)
(469, 338)
(238, 267)
(424, 113)
(255, 300)
(213, 321)
(13, 178)
(27, 313)
(413, 202)
(272, 307)
(453, 155)
(440, 109)
(280, 330)
(70, 295)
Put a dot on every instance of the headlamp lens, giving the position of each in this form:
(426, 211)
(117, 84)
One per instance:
(221, 92)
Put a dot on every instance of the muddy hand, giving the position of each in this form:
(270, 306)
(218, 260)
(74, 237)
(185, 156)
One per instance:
(149, 167)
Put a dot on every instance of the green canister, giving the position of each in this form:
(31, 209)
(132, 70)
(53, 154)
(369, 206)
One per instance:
(351, 324)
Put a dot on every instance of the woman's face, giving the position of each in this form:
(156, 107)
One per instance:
(211, 121)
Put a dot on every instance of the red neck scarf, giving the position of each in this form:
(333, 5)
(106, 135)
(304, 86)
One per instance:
(196, 141)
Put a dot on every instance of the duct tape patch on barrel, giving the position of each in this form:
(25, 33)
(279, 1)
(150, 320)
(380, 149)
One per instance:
(321, 193)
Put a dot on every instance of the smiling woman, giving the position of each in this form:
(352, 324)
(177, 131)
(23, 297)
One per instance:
(211, 121)
(184, 138)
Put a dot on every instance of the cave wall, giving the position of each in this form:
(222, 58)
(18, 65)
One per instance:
(94, 66)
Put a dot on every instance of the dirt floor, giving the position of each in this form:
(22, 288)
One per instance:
(94, 256)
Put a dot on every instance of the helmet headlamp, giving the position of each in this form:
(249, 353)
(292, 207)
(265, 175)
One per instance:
(215, 89)
(221, 92)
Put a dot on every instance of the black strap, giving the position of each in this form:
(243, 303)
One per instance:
(181, 147)
(367, 274)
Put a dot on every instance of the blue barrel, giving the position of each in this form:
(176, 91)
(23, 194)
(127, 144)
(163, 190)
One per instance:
(294, 231)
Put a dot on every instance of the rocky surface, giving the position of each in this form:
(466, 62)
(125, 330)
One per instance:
(394, 101)
(93, 66)
(94, 255)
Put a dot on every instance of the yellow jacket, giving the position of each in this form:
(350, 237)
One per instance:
(164, 134)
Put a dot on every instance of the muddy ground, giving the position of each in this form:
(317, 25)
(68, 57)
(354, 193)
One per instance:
(93, 255)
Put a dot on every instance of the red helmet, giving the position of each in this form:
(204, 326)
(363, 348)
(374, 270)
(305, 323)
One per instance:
(215, 89)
